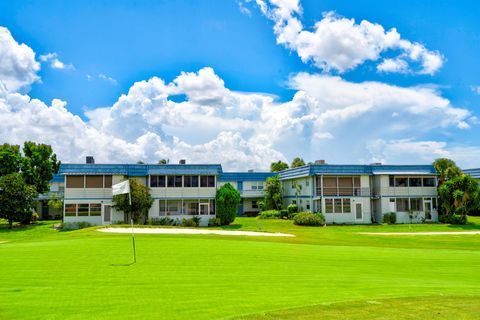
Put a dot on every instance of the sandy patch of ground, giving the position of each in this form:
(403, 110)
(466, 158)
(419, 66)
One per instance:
(433, 233)
(194, 231)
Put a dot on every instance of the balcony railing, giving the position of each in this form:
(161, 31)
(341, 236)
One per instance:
(252, 193)
(351, 192)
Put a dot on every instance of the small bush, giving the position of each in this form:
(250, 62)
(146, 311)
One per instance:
(457, 219)
(309, 219)
(390, 217)
(197, 220)
(214, 222)
(70, 226)
(292, 208)
(163, 221)
(269, 214)
(35, 217)
(251, 213)
(189, 222)
(284, 214)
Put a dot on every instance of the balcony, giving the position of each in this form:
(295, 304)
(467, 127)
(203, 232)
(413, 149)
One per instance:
(339, 192)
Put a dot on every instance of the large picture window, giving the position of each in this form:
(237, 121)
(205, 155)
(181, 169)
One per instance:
(190, 181)
(83, 209)
(157, 181)
(429, 182)
(207, 181)
(94, 181)
(416, 204)
(95, 209)
(338, 205)
(70, 210)
(402, 204)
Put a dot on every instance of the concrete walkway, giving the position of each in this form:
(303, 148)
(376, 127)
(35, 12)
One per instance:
(434, 233)
(194, 231)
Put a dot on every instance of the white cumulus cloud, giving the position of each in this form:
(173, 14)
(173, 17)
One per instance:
(341, 44)
(55, 62)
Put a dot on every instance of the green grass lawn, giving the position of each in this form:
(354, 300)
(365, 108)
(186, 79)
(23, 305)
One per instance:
(333, 272)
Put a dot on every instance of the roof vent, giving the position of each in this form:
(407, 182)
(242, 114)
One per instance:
(320, 161)
(90, 159)
(182, 161)
(250, 170)
(376, 164)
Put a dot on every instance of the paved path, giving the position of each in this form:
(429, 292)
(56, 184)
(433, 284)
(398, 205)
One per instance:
(194, 231)
(434, 233)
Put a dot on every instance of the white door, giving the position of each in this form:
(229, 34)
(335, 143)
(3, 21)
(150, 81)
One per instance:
(358, 211)
(204, 208)
(427, 204)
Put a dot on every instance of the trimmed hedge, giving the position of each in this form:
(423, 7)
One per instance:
(390, 217)
(270, 214)
(70, 226)
(309, 219)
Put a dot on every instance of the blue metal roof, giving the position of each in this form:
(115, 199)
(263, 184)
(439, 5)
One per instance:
(475, 173)
(354, 169)
(246, 176)
(139, 170)
(57, 178)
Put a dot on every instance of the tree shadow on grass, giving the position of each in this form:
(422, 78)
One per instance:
(4, 227)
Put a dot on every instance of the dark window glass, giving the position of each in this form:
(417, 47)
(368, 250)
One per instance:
(401, 182)
(178, 181)
(254, 204)
(170, 181)
(429, 182)
(204, 181)
(108, 181)
(190, 181)
(153, 181)
(392, 181)
(211, 181)
(415, 182)
(83, 209)
(402, 205)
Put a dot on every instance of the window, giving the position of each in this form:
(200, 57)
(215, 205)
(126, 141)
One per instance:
(415, 182)
(402, 204)
(207, 181)
(174, 181)
(391, 180)
(328, 205)
(108, 181)
(347, 207)
(434, 203)
(94, 181)
(254, 204)
(95, 209)
(190, 181)
(308, 205)
(157, 181)
(401, 182)
(70, 210)
(416, 204)
(257, 185)
(307, 182)
(75, 181)
(83, 209)
(345, 186)
(337, 205)
(429, 182)
(212, 207)
(330, 186)
(172, 207)
(294, 201)
(162, 208)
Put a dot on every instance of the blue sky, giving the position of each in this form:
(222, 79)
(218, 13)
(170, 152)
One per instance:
(107, 46)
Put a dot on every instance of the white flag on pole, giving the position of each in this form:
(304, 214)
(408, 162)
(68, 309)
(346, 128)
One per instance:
(121, 188)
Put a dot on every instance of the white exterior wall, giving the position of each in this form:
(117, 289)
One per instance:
(350, 218)
(385, 192)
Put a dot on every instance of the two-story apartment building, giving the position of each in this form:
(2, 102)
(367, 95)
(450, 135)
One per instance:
(353, 194)
(361, 194)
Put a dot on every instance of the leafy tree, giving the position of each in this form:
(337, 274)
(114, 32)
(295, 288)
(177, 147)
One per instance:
(297, 162)
(227, 200)
(163, 161)
(57, 203)
(140, 162)
(16, 199)
(278, 166)
(141, 202)
(460, 196)
(273, 194)
(38, 165)
(10, 159)
(447, 169)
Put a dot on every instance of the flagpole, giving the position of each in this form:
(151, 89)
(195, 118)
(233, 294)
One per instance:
(131, 220)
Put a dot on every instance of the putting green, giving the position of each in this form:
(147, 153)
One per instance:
(329, 271)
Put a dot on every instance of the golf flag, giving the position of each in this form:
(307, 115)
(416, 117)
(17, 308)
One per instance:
(121, 188)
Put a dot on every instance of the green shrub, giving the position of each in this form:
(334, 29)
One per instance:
(269, 214)
(163, 221)
(190, 222)
(197, 220)
(457, 219)
(390, 217)
(70, 226)
(292, 208)
(309, 219)
(251, 213)
(283, 214)
(214, 222)
(35, 217)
